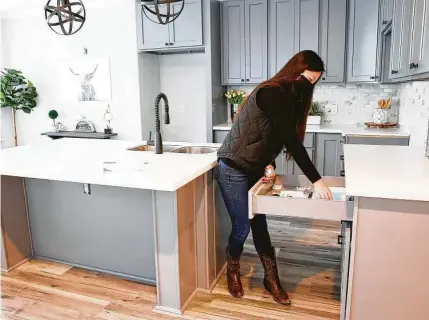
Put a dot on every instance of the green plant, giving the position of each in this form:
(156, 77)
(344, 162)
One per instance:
(53, 114)
(235, 96)
(315, 109)
(17, 92)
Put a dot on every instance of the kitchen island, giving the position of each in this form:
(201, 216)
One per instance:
(111, 207)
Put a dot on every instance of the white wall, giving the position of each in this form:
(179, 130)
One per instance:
(30, 46)
(183, 80)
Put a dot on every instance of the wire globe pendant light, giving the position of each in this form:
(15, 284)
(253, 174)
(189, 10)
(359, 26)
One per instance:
(65, 17)
(152, 10)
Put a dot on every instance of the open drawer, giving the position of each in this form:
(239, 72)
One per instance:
(262, 202)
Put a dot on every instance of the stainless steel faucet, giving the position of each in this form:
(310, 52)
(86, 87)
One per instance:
(158, 137)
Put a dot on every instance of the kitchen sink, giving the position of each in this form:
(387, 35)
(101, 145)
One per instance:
(195, 150)
(151, 148)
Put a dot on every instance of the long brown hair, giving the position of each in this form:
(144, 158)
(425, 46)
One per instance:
(304, 60)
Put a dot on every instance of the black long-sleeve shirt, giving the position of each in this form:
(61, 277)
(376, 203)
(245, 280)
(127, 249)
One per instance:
(279, 106)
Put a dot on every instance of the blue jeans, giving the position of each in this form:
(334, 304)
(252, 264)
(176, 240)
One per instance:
(234, 186)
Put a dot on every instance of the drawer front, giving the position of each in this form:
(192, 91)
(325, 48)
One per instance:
(309, 140)
(260, 203)
(386, 141)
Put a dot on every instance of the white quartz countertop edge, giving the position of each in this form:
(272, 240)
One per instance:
(340, 129)
(83, 161)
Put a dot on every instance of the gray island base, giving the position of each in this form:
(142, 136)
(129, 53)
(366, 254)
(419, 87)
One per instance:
(172, 236)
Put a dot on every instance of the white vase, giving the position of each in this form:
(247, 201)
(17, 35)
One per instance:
(228, 113)
(314, 120)
(380, 116)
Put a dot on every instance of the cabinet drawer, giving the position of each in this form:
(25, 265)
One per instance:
(378, 140)
(262, 203)
(309, 140)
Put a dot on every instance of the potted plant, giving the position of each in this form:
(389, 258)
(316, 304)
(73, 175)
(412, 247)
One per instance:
(235, 98)
(17, 93)
(315, 114)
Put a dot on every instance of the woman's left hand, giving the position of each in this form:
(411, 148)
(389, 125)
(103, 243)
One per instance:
(269, 174)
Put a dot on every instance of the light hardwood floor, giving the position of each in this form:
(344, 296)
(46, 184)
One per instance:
(309, 262)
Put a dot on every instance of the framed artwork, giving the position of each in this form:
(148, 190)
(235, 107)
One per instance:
(85, 79)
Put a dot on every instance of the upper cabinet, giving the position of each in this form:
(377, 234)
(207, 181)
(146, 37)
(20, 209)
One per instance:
(244, 41)
(363, 41)
(185, 31)
(386, 12)
(333, 39)
(419, 58)
(293, 26)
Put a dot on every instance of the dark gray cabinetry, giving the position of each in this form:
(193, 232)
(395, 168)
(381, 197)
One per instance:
(329, 154)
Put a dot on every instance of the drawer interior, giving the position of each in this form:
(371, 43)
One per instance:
(262, 200)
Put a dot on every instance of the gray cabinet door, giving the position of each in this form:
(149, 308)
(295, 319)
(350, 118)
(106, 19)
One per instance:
(293, 26)
(219, 136)
(280, 163)
(328, 154)
(399, 62)
(363, 41)
(256, 31)
(233, 42)
(420, 38)
(291, 168)
(386, 12)
(333, 39)
(155, 36)
(187, 29)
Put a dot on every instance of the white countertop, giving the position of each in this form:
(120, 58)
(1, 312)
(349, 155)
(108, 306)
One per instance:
(390, 172)
(81, 161)
(344, 129)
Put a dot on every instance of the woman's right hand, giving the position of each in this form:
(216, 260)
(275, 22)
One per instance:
(322, 191)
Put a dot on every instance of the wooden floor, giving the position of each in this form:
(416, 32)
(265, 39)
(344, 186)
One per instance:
(309, 262)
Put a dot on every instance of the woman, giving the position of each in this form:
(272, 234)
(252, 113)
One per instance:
(273, 116)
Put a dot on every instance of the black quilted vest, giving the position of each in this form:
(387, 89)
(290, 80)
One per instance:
(251, 144)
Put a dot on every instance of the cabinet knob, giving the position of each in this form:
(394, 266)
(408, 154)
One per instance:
(414, 65)
(247, 80)
(342, 173)
(341, 157)
(394, 72)
(384, 21)
(373, 77)
(167, 44)
(171, 43)
(323, 78)
(340, 239)
(242, 80)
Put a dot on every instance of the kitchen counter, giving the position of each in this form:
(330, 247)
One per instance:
(388, 172)
(81, 161)
(340, 129)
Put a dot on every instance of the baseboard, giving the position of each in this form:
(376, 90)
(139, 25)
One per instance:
(16, 266)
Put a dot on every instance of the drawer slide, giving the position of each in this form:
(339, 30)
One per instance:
(261, 200)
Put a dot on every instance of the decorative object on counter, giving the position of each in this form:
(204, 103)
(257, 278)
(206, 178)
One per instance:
(381, 125)
(85, 79)
(151, 8)
(235, 98)
(56, 126)
(381, 113)
(84, 125)
(315, 114)
(17, 93)
(65, 17)
(108, 117)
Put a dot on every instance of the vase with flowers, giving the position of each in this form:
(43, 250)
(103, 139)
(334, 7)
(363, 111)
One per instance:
(235, 98)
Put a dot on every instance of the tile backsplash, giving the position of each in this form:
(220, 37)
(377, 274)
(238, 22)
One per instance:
(414, 111)
(355, 103)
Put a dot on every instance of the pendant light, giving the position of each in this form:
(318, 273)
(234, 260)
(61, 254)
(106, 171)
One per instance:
(161, 11)
(65, 17)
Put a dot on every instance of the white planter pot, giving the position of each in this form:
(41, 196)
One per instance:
(314, 120)
(380, 116)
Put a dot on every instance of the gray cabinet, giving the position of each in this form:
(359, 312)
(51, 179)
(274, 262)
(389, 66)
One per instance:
(363, 36)
(333, 39)
(219, 136)
(291, 168)
(328, 154)
(386, 12)
(244, 41)
(419, 59)
(400, 47)
(293, 26)
(185, 31)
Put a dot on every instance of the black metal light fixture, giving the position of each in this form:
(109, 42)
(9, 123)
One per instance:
(65, 17)
(152, 9)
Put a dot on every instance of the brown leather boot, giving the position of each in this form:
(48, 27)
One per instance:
(271, 280)
(235, 287)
